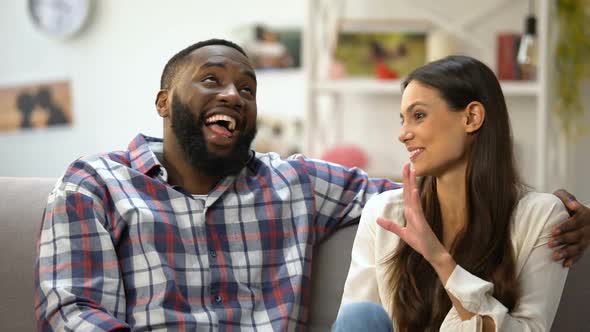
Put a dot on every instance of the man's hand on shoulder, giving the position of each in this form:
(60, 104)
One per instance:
(571, 237)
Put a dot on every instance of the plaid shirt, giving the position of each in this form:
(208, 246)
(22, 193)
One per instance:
(121, 248)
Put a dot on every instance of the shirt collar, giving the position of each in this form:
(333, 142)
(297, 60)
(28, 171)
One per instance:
(142, 155)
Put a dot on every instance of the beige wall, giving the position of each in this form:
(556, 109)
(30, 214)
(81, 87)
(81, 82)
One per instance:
(115, 66)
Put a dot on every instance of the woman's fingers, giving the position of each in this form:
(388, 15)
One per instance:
(406, 182)
(418, 212)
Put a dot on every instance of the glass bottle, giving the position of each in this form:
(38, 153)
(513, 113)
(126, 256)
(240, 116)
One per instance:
(527, 50)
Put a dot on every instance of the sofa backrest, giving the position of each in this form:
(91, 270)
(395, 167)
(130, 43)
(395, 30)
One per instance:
(22, 201)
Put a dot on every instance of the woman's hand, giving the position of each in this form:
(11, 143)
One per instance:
(417, 232)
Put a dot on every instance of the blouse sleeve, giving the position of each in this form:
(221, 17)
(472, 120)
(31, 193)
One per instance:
(361, 281)
(541, 279)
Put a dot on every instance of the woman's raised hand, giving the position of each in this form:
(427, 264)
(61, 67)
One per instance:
(417, 232)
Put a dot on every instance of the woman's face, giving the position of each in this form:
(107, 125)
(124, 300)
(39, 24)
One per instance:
(434, 134)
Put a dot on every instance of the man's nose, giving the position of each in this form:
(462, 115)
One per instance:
(231, 95)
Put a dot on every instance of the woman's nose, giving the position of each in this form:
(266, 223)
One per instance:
(404, 134)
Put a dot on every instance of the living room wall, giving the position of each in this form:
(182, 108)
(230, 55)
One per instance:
(114, 67)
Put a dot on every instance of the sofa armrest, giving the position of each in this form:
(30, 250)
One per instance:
(22, 201)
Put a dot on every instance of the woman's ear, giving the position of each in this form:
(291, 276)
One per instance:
(475, 115)
(162, 103)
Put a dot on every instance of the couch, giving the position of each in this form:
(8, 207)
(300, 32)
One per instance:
(21, 205)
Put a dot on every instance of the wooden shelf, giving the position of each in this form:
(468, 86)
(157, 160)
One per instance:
(521, 89)
(359, 85)
(372, 86)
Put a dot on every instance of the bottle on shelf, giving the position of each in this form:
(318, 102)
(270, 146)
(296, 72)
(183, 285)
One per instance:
(527, 51)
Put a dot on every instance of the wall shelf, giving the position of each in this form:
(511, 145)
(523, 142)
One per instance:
(393, 87)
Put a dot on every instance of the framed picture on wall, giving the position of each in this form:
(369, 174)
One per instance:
(35, 105)
(380, 49)
(271, 47)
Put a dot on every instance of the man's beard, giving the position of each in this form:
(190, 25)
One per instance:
(188, 130)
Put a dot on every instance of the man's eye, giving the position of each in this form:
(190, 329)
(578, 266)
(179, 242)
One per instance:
(248, 90)
(210, 79)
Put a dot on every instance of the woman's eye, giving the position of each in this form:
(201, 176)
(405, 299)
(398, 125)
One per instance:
(419, 115)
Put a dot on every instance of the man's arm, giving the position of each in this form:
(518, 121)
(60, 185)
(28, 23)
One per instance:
(78, 283)
(570, 238)
(339, 193)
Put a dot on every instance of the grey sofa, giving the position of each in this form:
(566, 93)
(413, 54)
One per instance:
(21, 205)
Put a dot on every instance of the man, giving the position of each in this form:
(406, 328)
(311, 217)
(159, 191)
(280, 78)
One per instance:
(195, 231)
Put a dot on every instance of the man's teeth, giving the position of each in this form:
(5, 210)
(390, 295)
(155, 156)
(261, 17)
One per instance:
(220, 117)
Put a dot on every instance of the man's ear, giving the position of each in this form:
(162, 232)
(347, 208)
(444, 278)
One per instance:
(163, 103)
(475, 115)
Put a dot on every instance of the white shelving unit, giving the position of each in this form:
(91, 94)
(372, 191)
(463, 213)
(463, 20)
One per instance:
(372, 86)
(327, 99)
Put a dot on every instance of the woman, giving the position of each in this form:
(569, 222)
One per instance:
(463, 248)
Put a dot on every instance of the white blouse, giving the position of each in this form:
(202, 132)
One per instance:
(541, 279)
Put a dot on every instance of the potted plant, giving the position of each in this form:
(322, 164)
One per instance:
(572, 63)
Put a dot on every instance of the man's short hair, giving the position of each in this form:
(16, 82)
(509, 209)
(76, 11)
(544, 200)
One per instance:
(178, 60)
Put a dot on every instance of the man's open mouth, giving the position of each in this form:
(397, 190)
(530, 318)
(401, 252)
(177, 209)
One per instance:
(221, 124)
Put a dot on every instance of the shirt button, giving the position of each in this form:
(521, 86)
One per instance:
(212, 253)
(218, 299)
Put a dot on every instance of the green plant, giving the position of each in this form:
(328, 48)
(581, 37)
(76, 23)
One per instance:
(572, 63)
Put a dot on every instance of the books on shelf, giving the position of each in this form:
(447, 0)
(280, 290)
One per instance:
(507, 66)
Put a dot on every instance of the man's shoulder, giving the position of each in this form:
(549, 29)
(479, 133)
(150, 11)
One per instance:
(273, 157)
(300, 161)
(300, 164)
(276, 162)
(93, 168)
(119, 157)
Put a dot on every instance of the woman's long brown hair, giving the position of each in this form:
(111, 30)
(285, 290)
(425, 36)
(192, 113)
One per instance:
(483, 247)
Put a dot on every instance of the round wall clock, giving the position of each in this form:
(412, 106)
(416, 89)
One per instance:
(60, 18)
